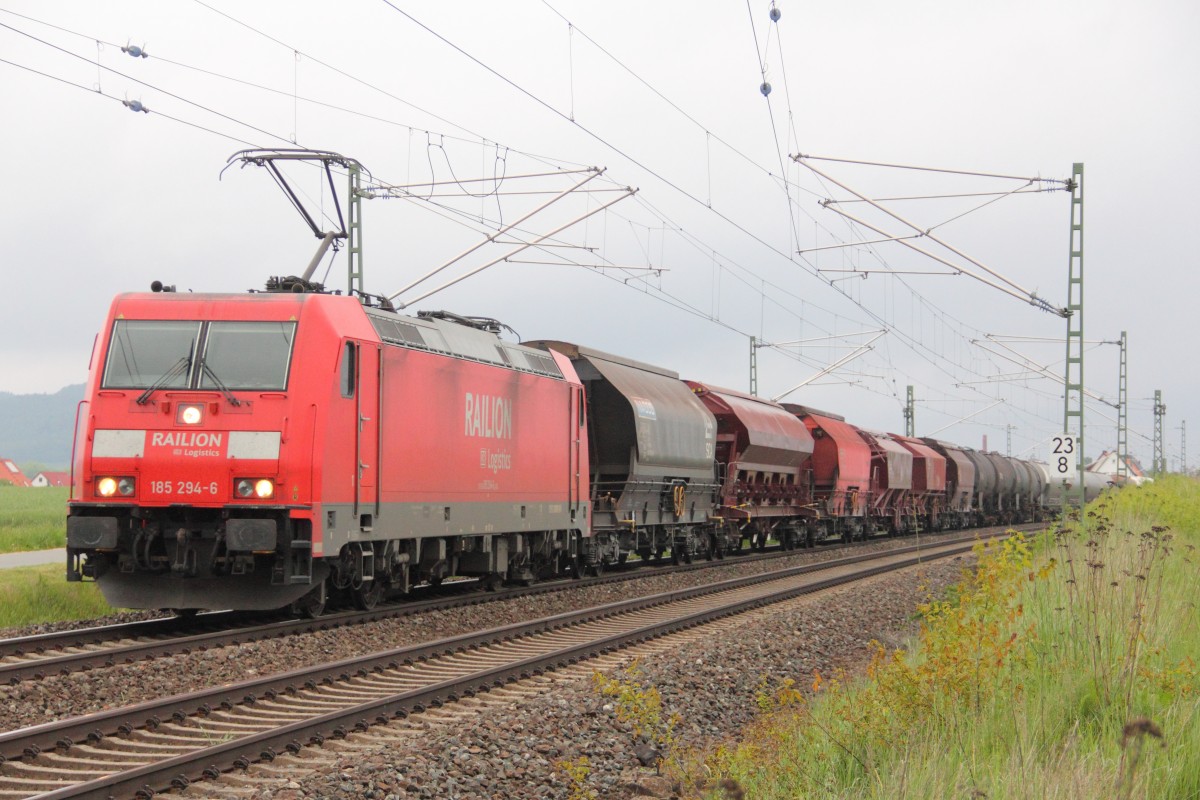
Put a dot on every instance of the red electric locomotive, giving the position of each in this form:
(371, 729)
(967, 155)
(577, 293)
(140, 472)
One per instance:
(254, 451)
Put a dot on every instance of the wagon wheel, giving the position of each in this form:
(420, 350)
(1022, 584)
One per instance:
(311, 605)
(367, 595)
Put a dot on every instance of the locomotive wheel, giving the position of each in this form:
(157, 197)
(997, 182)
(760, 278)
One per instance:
(312, 605)
(367, 596)
(658, 554)
(597, 569)
(493, 582)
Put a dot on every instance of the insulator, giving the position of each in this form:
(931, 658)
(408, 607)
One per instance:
(765, 89)
(775, 14)
(136, 105)
(135, 51)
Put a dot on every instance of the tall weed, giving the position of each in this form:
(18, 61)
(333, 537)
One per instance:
(1062, 666)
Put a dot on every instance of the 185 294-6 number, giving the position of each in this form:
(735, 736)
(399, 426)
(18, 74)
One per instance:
(183, 487)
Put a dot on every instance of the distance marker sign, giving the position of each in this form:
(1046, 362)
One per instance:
(1064, 457)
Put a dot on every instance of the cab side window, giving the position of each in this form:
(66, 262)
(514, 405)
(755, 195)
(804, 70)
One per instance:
(349, 369)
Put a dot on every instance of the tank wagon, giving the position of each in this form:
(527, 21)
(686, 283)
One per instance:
(1052, 503)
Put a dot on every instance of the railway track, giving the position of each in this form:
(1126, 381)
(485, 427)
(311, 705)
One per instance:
(64, 652)
(141, 749)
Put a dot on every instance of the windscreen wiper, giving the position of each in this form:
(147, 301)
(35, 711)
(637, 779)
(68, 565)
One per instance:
(181, 368)
(207, 370)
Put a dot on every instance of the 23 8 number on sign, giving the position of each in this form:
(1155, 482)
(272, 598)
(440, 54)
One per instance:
(1062, 454)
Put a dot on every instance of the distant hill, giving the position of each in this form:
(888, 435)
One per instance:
(39, 427)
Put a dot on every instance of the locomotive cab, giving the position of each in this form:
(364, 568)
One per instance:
(183, 497)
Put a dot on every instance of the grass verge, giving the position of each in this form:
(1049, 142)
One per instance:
(32, 519)
(31, 595)
(1064, 666)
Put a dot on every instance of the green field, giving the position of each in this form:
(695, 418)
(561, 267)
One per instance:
(35, 519)
(32, 519)
(30, 595)
(1066, 666)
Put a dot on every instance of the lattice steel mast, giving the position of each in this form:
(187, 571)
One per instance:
(1073, 400)
(910, 419)
(1183, 447)
(1123, 414)
(754, 366)
(1160, 411)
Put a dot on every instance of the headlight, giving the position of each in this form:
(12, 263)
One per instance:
(262, 488)
(110, 487)
(189, 414)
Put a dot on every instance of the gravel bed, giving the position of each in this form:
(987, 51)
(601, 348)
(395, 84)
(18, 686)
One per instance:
(61, 696)
(75, 624)
(711, 683)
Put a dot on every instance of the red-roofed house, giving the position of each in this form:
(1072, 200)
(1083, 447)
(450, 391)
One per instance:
(1108, 464)
(10, 473)
(51, 479)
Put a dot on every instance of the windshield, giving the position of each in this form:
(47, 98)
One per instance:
(237, 355)
(247, 355)
(144, 352)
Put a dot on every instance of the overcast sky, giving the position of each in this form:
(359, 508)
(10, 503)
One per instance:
(101, 199)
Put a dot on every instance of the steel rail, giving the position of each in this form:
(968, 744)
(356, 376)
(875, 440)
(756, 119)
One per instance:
(171, 635)
(28, 743)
